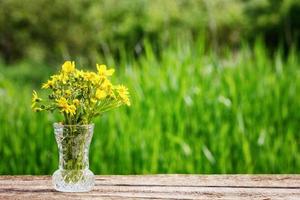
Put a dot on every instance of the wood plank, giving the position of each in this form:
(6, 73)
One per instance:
(180, 180)
(160, 187)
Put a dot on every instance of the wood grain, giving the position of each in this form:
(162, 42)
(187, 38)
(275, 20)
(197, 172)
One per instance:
(160, 187)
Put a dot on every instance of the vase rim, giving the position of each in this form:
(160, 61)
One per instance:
(59, 125)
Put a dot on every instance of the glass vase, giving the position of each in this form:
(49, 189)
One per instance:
(73, 143)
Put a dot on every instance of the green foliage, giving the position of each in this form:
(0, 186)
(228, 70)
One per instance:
(90, 30)
(191, 113)
(276, 20)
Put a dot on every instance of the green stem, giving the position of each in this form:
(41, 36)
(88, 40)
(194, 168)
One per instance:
(73, 153)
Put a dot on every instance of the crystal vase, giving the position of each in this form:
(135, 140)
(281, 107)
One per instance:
(73, 143)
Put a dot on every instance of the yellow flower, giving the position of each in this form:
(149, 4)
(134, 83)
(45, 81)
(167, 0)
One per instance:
(79, 73)
(59, 78)
(63, 78)
(76, 102)
(102, 71)
(124, 94)
(91, 76)
(68, 92)
(49, 84)
(34, 96)
(100, 94)
(55, 78)
(34, 99)
(62, 103)
(72, 109)
(68, 67)
(106, 85)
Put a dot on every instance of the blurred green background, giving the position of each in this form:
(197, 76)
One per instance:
(215, 85)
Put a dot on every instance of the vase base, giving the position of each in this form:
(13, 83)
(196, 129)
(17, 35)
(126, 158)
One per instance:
(73, 180)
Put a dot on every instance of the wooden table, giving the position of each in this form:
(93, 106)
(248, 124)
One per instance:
(160, 187)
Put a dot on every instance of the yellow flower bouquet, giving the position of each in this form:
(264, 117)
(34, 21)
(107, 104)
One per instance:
(79, 96)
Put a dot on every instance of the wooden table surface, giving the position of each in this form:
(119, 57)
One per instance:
(160, 187)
